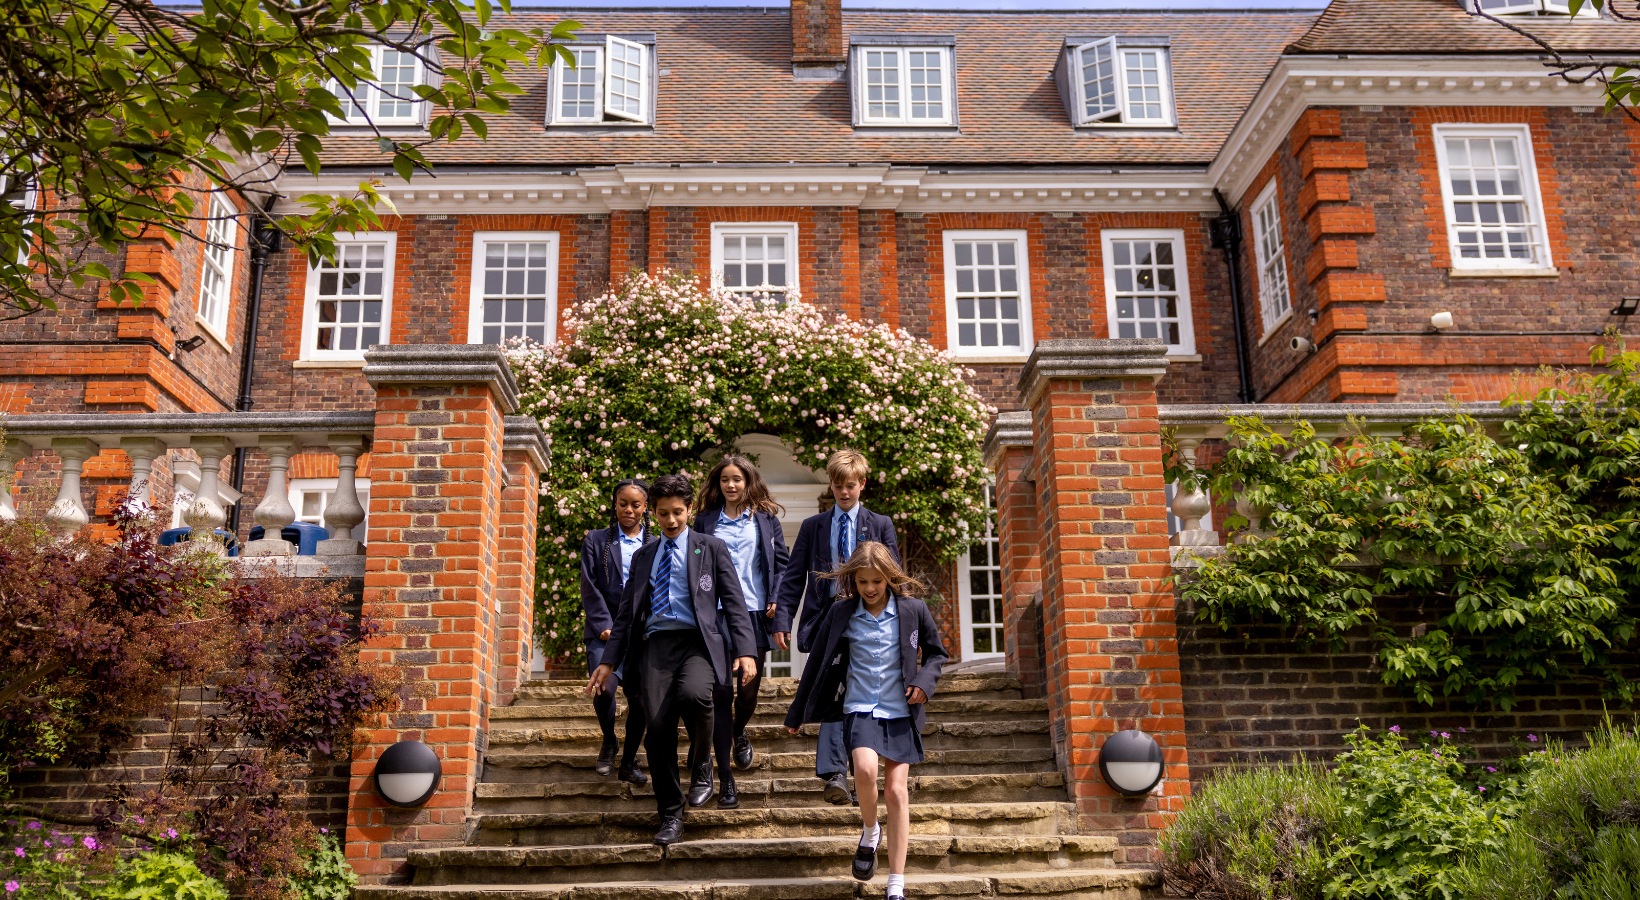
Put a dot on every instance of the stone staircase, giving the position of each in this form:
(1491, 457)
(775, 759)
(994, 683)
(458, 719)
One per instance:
(989, 815)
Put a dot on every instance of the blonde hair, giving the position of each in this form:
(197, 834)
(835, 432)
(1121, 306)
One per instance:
(874, 555)
(846, 464)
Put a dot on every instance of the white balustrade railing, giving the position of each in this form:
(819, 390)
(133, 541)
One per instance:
(1192, 425)
(146, 439)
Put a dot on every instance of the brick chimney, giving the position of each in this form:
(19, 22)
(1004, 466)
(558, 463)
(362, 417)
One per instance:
(817, 33)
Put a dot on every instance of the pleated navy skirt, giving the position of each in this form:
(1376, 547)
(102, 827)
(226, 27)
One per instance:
(893, 739)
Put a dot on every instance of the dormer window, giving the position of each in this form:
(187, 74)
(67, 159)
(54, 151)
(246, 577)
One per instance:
(609, 83)
(392, 100)
(1533, 8)
(1114, 81)
(903, 81)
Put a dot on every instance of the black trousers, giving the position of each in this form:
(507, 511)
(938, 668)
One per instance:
(735, 704)
(677, 683)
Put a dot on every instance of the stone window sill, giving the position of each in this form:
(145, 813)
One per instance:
(1533, 272)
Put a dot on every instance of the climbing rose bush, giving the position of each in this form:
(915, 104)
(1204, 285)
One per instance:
(662, 375)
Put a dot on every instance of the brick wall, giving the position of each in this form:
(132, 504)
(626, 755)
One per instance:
(1255, 694)
(1367, 248)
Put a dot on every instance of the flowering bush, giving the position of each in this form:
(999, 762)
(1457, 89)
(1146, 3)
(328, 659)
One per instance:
(38, 862)
(662, 376)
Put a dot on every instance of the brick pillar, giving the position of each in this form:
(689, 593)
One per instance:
(1110, 647)
(1019, 536)
(525, 458)
(436, 568)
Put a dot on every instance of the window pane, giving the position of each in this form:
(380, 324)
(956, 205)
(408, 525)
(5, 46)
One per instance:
(517, 301)
(769, 262)
(1097, 64)
(986, 294)
(349, 296)
(395, 97)
(1146, 298)
(1491, 216)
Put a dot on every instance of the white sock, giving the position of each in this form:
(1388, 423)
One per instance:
(896, 886)
(871, 837)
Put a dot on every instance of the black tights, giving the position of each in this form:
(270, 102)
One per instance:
(733, 707)
(604, 705)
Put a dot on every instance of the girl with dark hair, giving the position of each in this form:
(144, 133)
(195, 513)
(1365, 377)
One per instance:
(736, 508)
(876, 658)
(606, 563)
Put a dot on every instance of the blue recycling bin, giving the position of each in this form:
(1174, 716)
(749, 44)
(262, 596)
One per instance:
(172, 536)
(305, 535)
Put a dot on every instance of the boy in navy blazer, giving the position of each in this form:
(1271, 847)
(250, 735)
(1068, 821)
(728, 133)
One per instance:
(823, 544)
(667, 630)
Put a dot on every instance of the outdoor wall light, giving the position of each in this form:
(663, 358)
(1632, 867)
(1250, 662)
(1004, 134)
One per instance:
(1627, 306)
(1441, 321)
(1131, 762)
(408, 773)
(1302, 345)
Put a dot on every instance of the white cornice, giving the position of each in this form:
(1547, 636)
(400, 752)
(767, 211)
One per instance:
(906, 188)
(1300, 82)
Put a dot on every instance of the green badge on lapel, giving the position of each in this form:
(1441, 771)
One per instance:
(697, 551)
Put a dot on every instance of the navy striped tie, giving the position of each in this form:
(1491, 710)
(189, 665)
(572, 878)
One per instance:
(660, 586)
(843, 543)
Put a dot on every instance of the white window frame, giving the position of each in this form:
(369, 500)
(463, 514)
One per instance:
(1108, 237)
(363, 108)
(216, 266)
(1275, 290)
(475, 304)
(310, 307)
(605, 85)
(1531, 196)
(1538, 7)
(948, 103)
(1120, 115)
(325, 487)
(23, 203)
(787, 230)
(965, 593)
(1027, 339)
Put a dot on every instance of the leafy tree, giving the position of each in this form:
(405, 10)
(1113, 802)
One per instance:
(1619, 77)
(1520, 554)
(114, 114)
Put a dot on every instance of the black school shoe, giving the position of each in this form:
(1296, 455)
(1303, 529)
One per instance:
(671, 832)
(865, 862)
(743, 752)
(728, 798)
(836, 791)
(606, 758)
(631, 774)
(700, 788)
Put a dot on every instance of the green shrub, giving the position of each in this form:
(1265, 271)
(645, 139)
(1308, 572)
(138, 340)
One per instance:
(327, 875)
(1577, 834)
(1255, 834)
(161, 875)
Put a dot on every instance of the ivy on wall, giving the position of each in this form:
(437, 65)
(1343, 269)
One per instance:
(661, 376)
(1522, 550)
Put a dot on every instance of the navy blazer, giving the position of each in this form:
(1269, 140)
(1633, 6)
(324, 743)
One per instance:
(712, 582)
(821, 693)
(771, 546)
(601, 579)
(811, 557)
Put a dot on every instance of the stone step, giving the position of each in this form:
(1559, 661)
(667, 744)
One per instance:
(535, 763)
(578, 712)
(697, 860)
(1062, 884)
(627, 826)
(1009, 733)
(993, 685)
(540, 796)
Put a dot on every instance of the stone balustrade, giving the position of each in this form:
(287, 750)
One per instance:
(1193, 425)
(149, 438)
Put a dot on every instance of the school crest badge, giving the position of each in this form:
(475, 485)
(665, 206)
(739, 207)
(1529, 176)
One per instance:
(705, 583)
(914, 637)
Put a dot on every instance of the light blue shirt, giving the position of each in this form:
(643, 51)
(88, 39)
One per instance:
(853, 517)
(876, 683)
(629, 546)
(742, 537)
(680, 613)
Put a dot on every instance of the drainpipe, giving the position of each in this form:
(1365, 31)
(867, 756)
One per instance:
(264, 243)
(1226, 231)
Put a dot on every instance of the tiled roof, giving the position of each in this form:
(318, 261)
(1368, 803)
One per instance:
(1446, 27)
(728, 94)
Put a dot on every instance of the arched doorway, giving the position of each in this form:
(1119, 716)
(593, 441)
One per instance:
(797, 488)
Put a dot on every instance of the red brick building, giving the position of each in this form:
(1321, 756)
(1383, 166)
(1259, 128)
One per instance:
(987, 180)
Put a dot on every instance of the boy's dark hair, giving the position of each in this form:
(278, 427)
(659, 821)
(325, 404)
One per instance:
(672, 486)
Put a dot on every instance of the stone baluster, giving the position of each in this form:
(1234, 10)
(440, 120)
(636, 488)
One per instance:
(142, 451)
(67, 514)
(11, 453)
(1253, 514)
(344, 512)
(1190, 502)
(205, 515)
(274, 512)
